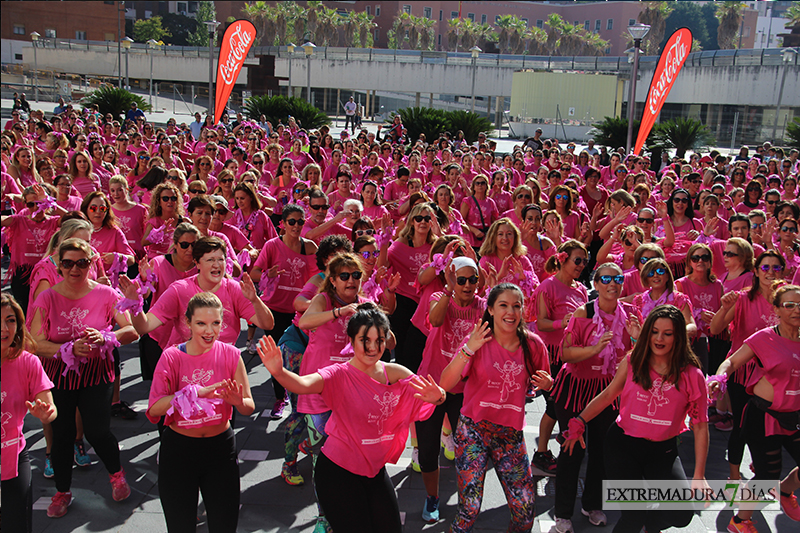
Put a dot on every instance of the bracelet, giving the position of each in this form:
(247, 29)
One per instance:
(464, 356)
(467, 350)
(444, 396)
(579, 417)
(633, 341)
(334, 312)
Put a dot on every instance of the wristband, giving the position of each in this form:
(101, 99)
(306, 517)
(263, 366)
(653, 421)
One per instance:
(560, 324)
(334, 312)
(467, 350)
(444, 395)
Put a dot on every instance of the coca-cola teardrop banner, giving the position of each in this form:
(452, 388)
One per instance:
(672, 58)
(238, 39)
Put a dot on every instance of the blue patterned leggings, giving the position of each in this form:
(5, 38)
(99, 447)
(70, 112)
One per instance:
(296, 422)
(477, 443)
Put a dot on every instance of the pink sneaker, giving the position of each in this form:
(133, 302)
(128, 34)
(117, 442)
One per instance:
(120, 489)
(59, 504)
(790, 507)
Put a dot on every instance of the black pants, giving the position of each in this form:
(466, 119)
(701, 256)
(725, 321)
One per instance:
(414, 345)
(18, 498)
(401, 323)
(282, 321)
(569, 465)
(700, 349)
(766, 451)
(351, 120)
(429, 431)
(633, 458)
(149, 354)
(717, 352)
(209, 465)
(94, 403)
(21, 285)
(739, 399)
(338, 489)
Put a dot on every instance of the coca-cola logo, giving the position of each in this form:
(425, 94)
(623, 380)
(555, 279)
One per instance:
(674, 56)
(239, 43)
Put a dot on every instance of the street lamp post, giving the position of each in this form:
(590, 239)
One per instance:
(126, 44)
(788, 56)
(475, 53)
(290, 48)
(151, 44)
(638, 32)
(212, 28)
(35, 40)
(308, 47)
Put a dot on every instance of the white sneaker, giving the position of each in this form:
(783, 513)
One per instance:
(449, 446)
(563, 525)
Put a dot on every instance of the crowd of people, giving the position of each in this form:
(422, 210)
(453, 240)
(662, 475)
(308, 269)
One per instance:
(422, 289)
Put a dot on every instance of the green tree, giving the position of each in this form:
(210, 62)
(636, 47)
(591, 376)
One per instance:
(180, 28)
(793, 132)
(689, 15)
(729, 15)
(655, 15)
(682, 134)
(206, 12)
(712, 24)
(793, 14)
(114, 100)
(146, 29)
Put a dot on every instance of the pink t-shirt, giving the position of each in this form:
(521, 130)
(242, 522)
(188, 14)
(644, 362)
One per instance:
(703, 299)
(108, 240)
(504, 201)
(154, 250)
(742, 282)
(420, 317)
(27, 239)
(538, 257)
(238, 239)
(560, 300)
(23, 379)
(510, 277)
(86, 185)
(370, 420)
(176, 369)
(170, 308)
(407, 261)
(444, 341)
(497, 381)
(487, 208)
(375, 212)
(632, 284)
(660, 413)
(297, 269)
(257, 227)
(166, 275)
(778, 360)
(132, 223)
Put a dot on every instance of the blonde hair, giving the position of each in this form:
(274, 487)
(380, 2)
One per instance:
(489, 246)
(407, 233)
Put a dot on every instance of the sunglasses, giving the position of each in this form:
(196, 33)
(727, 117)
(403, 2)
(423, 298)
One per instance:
(629, 242)
(757, 225)
(344, 276)
(362, 232)
(726, 253)
(660, 271)
(96, 208)
(462, 280)
(775, 268)
(205, 164)
(367, 255)
(772, 202)
(420, 218)
(318, 207)
(561, 197)
(697, 258)
(185, 244)
(83, 264)
(226, 180)
(565, 169)
(258, 162)
(644, 220)
(298, 221)
(524, 197)
(481, 183)
(144, 158)
(173, 178)
(790, 230)
(580, 261)
(169, 198)
(618, 279)
(680, 200)
(196, 191)
(300, 191)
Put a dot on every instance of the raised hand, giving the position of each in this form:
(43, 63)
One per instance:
(270, 355)
(480, 335)
(450, 275)
(711, 227)
(248, 288)
(542, 380)
(661, 207)
(41, 409)
(347, 310)
(274, 272)
(394, 282)
(129, 288)
(632, 326)
(607, 337)
(729, 299)
(231, 391)
(427, 389)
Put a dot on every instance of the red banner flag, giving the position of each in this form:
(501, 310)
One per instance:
(672, 58)
(236, 43)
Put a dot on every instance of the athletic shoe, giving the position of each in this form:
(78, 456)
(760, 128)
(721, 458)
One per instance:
(563, 525)
(726, 424)
(124, 410)
(48, 468)
(430, 510)
(81, 457)
(415, 460)
(306, 447)
(59, 504)
(596, 518)
(790, 507)
(545, 462)
(449, 446)
(277, 410)
(745, 526)
(291, 475)
(119, 486)
(322, 525)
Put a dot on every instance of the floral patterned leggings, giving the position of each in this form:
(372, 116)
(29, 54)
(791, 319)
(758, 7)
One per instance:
(476, 443)
(296, 422)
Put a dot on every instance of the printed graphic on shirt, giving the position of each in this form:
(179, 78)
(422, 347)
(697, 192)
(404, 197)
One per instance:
(704, 300)
(419, 261)
(199, 377)
(38, 236)
(124, 224)
(507, 384)
(6, 418)
(655, 398)
(294, 268)
(340, 339)
(460, 329)
(793, 388)
(74, 322)
(387, 404)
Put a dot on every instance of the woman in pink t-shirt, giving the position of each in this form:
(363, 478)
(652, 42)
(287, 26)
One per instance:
(772, 418)
(503, 254)
(478, 210)
(131, 217)
(250, 217)
(84, 180)
(599, 335)
(372, 406)
(107, 238)
(195, 387)
(165, 213)
(785, 244)
(500, 362)
(657, 279)
(502, 198)
(539, 246)
(657, 386)
(25, 387)
(561, 202)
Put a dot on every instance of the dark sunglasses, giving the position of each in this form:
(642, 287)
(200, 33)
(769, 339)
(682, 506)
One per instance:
(300, 191)
(196, 191)
(643, 260)
(772, 202)
(226, 180)
(775, 268)
(628, 242)
(697, 258)
(293, 221)
(344, 276)
(367, 255)
(96, 208)
(524, 197)
(726, 253)
(420, 218)
(789, 229)
(83, 264)
(362, 232)
(561, 197)
(169, 198)
(660, 271)
(644, 220)
(580, 261)
(144, 158)
(258, 162)
(30, 205)
(185, 244)
(680, 200)
(318, 207)
(618, 279)
(462, 280)
(210, 149)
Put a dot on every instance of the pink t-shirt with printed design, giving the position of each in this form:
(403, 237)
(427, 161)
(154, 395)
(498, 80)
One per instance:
(132, 223)
(297, 269)
(407, 261)
(166, 275)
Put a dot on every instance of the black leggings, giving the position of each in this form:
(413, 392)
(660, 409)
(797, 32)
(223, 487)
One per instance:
(18, 497)
(149, 354)
(739, 399)
(94, 403)
(766, 451)
(282, 321)
(21, 285)
(188, 464)
(634, 458)
(337, 489)
(700, 349)
(401, 322)
(414, 345)
(429, 431)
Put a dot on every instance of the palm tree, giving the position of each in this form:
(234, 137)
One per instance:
(654, 15)
(555, 26)
(298, 17)
(485, 34)
(454, 33)
(426, 32)
(793, 14)
(262, 15)
(537, 41)
(314, 8)
(329, 21)
(401, 25)
(511, 29)
(729, 15)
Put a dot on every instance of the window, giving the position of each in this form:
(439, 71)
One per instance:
(496, 19)
(407, 9)
(377, 11)
(746, 33)
(368, 10)
(471, 16)
(50, 33)
(483, 19)
(631, 22)
(376, 33)
(193, 7)
(597, 24)
(182, 8)
(576, 23)
(17, 57)
(441, 15)
(440, 39)
(539, 23)
(586, 25)
(80, 35)
(427, 12)
(454, 14)
(610, 24)
(19, 29)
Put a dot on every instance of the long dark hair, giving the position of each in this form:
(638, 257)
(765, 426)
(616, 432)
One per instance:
(756, 287)
(682, 354)
(522, 329)
(689, 206)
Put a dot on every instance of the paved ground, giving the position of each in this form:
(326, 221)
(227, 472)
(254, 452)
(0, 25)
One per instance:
(268, 504)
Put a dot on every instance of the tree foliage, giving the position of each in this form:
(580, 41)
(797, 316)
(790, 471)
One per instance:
(434, 122)
(655, 15)
(682, 134)
(206, 12)
(146, 29)
(564, 39)
(687, 15)
(180, 28)
(613, 132)
(280, 108)
(729, 15)
(793, 132)
(113, 100)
